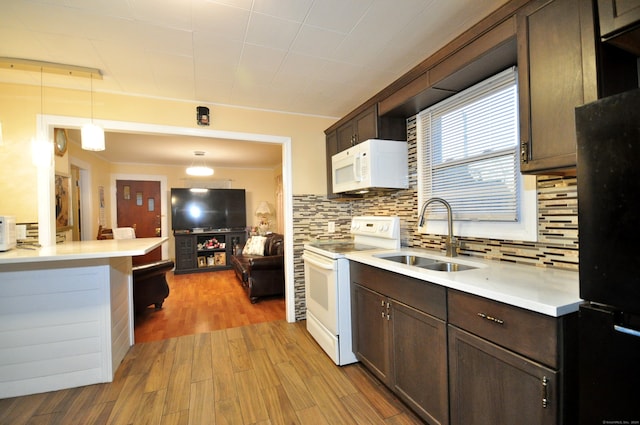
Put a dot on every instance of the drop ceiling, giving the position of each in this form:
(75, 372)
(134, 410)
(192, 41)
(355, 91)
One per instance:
(315, 57)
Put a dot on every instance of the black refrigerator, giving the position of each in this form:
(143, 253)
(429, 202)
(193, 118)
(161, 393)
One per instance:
(608, 176)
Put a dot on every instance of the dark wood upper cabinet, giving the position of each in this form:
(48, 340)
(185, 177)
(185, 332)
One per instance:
(367, 124)
(359, 129)
(557, 72)
(331, 149)
(567, 55)
(620, 23)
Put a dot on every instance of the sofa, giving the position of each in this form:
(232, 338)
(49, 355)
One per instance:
(261, 272)
(150, 284)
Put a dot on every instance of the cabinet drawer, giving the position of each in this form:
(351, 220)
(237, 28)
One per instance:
(531, 334)
(424, 296)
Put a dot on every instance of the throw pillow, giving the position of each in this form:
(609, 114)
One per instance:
(255, 245)
(247, 246)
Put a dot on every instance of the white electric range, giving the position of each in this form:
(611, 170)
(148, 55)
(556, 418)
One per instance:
(327, 283)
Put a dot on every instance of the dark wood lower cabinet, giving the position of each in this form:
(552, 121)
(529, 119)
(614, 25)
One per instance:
(371, 335)
(404, 347)
(420, 362)
(460, 359)
(492, 385)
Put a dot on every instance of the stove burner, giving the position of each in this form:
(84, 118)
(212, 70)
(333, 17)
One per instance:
(341, 247)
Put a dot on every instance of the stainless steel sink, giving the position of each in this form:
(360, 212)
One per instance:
(412, 260)
(428, 263)
(446, 266)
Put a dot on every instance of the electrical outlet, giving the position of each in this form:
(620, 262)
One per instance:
(331, 226)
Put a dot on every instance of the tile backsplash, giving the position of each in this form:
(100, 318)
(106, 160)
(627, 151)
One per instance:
(557, 244)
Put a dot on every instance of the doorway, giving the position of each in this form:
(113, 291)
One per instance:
(138, 205)
(46, 223)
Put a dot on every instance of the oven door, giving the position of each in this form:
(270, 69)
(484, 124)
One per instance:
(321, 276)
(350, 170)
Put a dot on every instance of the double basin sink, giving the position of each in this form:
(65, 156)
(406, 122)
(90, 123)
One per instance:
(426, 262)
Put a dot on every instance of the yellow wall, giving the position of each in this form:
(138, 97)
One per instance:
(20, 105)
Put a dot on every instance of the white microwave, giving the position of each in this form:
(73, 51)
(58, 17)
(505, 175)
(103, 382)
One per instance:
(7, 232)
(372, 164)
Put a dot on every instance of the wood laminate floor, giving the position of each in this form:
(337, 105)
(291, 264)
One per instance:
(270, 372)
(203, 302)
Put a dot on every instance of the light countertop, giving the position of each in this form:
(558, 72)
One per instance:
(82, 250)
(548, 291)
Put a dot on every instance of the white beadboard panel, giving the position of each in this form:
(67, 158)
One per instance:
(48, 349)
(121, 309)
(63, 324)
(44, 335)
(50, 309)
(61, 365)
(51, 383)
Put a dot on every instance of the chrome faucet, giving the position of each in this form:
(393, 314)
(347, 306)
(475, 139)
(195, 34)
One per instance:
(451, 244)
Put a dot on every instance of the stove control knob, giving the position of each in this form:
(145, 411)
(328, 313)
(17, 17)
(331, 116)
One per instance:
(354, 226)
(383, 228)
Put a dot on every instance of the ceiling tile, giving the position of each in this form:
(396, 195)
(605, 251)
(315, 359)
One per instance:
(294, 10)
(216, 18)
(166, 13)
(271, 32)
(161, 39)
(259, 64)
(316, 41)
(338, 15)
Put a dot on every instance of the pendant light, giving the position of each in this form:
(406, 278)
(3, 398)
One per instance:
(198, 167)
(92, 135)
(41, 148)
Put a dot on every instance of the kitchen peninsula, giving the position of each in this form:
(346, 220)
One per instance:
(66, 313)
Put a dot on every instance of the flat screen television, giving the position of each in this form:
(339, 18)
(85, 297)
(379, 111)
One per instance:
(208, 209)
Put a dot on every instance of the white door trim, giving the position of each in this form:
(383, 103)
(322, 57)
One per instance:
(46, 219)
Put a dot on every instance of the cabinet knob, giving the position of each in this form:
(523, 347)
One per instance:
(545, 392)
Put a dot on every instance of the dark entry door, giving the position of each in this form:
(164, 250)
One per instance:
(138, 206)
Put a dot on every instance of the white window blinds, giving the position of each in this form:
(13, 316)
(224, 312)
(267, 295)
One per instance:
(467, 151)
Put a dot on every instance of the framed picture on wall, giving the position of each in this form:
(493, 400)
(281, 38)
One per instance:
(63, 201)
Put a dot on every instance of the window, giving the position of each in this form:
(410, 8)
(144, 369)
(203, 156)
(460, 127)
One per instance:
(468, 155)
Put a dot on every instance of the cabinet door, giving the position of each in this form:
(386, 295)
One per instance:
(331, 149)
(346, 136)
(370, 327)
(186, 258)
(556, 66)
(420, 362)
(491, 385)
(366, 125)
(617, 14)
(363, 127)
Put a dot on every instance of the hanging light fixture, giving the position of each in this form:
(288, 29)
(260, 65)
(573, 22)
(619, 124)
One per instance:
(41, 148)
(198, 167)
(92, 135)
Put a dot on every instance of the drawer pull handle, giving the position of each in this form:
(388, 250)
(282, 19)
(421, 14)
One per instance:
(491, 318)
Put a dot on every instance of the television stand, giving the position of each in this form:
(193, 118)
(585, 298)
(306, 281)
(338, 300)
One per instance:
(207, 250)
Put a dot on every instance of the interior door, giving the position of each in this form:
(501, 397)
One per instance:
(138, 206)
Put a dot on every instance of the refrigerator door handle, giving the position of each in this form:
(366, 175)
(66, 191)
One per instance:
(627, 331)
